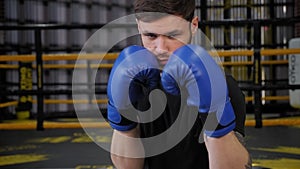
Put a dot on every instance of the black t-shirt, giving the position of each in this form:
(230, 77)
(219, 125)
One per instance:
(190, 152)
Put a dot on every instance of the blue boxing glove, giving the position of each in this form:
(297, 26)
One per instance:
(191, 71)
(134, 75)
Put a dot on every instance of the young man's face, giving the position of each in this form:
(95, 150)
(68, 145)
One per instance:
(163, 36)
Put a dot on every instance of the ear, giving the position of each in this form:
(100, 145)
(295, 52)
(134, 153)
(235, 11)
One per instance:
(138, 25)
(194, 24)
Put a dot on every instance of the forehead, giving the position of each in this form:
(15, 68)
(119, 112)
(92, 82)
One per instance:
(163, 25)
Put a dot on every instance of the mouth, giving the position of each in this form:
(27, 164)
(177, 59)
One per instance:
(162, 61)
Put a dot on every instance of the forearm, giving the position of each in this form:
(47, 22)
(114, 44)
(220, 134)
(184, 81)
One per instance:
(227, 153)
(125, 163)
(127, 152)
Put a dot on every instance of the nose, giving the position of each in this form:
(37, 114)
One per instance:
(161, 45)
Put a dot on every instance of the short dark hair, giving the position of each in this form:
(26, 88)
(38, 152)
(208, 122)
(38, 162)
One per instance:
(182, 8)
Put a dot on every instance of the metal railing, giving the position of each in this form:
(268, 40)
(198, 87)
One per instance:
(256, 64)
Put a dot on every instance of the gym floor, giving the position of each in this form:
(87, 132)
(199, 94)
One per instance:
(64, 144)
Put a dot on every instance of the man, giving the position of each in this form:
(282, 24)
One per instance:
(167, 30)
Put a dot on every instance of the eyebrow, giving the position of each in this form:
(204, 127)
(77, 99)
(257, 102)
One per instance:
(176, 32)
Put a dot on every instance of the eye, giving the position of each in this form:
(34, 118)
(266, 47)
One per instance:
(151, 36)
(172, 36)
